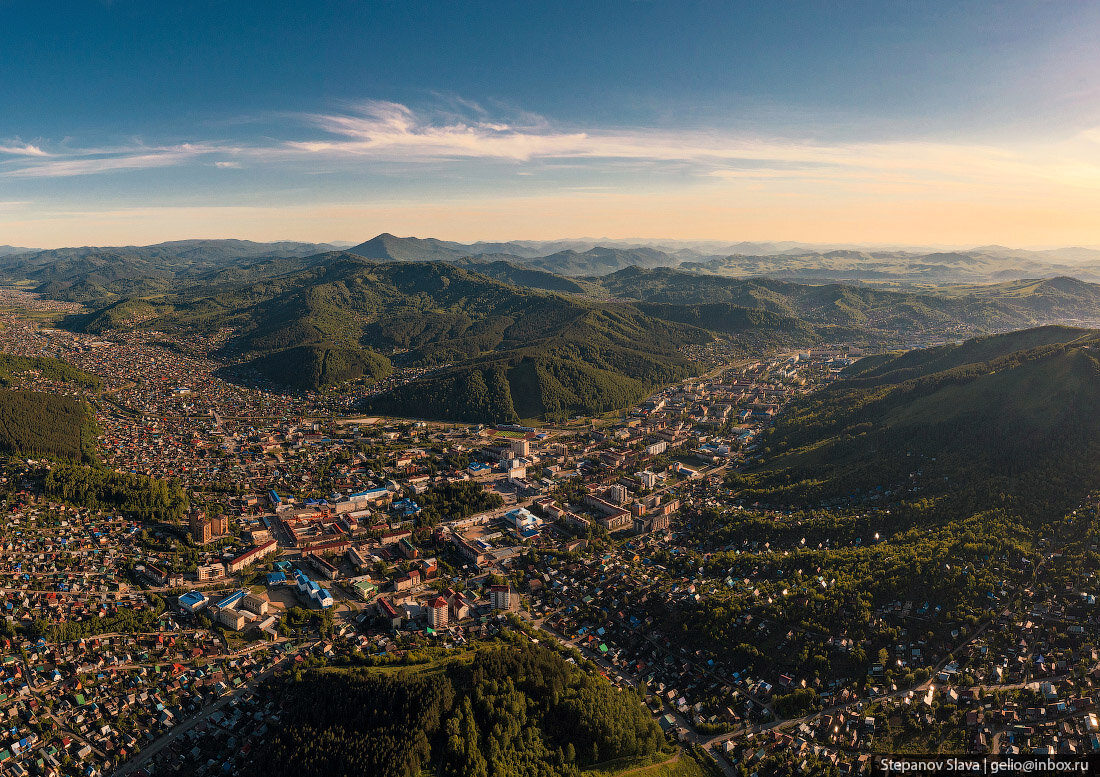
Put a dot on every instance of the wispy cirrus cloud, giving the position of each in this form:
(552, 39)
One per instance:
(464, 133)
(91, 162)
(394, 131)
(17, 148)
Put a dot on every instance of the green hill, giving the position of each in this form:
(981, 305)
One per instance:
(390, 248)
(36, 424)
(1010, 420)
(601, 260)
(867, 309)
(773, 328)
(12, 368)
(502, 352)
(514, 709)
(520, 275)
(98, 276)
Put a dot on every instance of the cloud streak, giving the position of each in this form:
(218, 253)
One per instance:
(389, 133)
(17, 148)
(394, 133)
(93, 162)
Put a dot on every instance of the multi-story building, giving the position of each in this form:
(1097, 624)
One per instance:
(204, 529)
(501, 597)
(252, 556)
(437, 612)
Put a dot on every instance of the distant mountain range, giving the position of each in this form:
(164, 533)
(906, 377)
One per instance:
(96, 273)
(777, 260)
(505, 335)
(507, 341)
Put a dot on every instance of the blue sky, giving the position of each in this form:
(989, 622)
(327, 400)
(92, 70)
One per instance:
(951, 123)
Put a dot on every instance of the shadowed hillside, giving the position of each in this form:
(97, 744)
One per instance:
(1010, 420)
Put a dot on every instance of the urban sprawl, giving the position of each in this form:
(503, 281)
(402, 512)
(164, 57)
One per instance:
(137, 647)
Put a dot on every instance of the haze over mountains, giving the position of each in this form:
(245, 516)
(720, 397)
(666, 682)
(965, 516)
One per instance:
(526, 329)
(586, 257)
(788, 260)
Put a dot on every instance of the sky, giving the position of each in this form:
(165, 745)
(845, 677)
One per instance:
(934, 123)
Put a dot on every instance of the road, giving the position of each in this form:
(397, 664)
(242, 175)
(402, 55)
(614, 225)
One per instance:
(151, 751)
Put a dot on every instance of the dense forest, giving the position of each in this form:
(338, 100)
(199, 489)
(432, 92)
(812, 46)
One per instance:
(528, 386)
(510, 710)
(130, 493)
(38, 424)
(321, 365)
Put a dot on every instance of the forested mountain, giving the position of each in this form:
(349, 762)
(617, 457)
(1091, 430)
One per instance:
(999, 306)
(390, 248)
(602, 260)
(527, 343)
(1009, 420)
(991, 264)
(523, 275)
(99, 275)
(514, 709)
(345, 317)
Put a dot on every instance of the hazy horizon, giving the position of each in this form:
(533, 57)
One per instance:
(700, 243)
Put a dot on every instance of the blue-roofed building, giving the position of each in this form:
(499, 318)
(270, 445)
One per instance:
(406, 507)
(374, 493)
(232, 599)
(276, 578)
(192, 601)
(521, 518)
(312, 591)
(276, 500)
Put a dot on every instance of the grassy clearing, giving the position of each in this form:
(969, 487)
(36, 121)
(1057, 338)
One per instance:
(659, 765)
